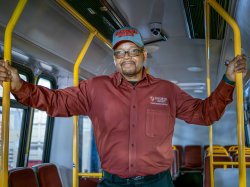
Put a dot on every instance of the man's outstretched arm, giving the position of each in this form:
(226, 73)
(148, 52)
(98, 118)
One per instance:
(63, 102)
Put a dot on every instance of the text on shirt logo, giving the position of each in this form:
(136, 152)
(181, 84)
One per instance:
(159, 100)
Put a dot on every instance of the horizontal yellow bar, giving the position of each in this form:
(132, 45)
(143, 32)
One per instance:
(92, 175)
(228, 163)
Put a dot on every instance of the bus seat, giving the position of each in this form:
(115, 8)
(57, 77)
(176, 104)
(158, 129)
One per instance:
(216, 150)
(22, 177)
(192, 157)
(233, 149)
(207, 146)
(228, 146)
(206, 175)
(88, 182)
(180, 153)
(48, 175)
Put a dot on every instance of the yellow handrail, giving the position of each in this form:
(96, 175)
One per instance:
(6, 94)
(218, 153)
(247, 152)
(208, 80)
(75, 118)
(239, 90)
(93, 32)
(230, 163)
(74, 13)
(214, 147)
(93, 175)
(233, 148)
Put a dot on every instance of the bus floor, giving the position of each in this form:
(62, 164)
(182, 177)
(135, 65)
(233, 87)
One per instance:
(189, 179)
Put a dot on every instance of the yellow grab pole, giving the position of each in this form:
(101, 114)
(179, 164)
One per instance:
(6, 95)
(207, 37)
(79, 17)
(75, 118)
(239, 91)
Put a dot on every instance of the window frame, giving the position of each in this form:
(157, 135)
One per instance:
(49, 124)
(26, 115)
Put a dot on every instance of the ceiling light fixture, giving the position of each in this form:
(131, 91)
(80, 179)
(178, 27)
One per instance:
(46, 66)
(198, 91)
(195, 69)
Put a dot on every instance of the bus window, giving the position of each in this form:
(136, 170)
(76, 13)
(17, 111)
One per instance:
(16, 116)
(88, 156)
(15, 123)
(38, 131)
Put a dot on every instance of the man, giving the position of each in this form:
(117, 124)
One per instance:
(133, 113)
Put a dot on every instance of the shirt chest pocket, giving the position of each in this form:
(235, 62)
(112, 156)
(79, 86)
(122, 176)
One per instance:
(157, 123)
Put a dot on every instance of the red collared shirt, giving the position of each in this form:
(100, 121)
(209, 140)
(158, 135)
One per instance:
(133, 125)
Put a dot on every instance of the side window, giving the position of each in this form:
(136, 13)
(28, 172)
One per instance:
(38, 131)
(15, 124)
(88, 156)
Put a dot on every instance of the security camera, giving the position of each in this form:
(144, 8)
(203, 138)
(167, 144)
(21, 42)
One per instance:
(155, 28)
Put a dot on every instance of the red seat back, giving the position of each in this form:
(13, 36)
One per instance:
(193, 157)
(22, 177)
(88, 182)
(48, 175)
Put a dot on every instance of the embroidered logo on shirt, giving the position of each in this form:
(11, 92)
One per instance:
(159, 100)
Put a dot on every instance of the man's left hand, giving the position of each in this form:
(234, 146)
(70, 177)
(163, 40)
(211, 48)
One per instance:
(237, 65)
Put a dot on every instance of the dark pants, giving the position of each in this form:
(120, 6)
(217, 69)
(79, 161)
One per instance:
(162, 179)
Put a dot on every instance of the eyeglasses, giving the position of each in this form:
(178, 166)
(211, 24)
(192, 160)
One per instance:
(132, 53)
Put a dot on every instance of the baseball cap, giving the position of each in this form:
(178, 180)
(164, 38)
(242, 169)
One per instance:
(127, 34)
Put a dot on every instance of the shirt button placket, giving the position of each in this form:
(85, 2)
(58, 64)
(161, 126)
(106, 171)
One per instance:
(132, 147)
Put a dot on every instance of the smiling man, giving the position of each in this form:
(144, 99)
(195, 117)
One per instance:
(133, 113)
(129, 54)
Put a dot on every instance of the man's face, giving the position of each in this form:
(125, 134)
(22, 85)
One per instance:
(129, 60)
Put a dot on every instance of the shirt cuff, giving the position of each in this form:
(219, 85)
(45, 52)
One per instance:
(227, 80)
(225, 90)
(23, 92)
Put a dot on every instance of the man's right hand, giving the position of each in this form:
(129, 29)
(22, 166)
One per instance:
(10, 74)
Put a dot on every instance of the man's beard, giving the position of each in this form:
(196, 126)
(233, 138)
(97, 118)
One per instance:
(129, 72)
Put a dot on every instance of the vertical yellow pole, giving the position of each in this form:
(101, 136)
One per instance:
(75, 118)
(207, 37)
(239, 92)
(6, 95)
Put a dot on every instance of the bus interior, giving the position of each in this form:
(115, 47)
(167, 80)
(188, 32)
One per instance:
(46, 42)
